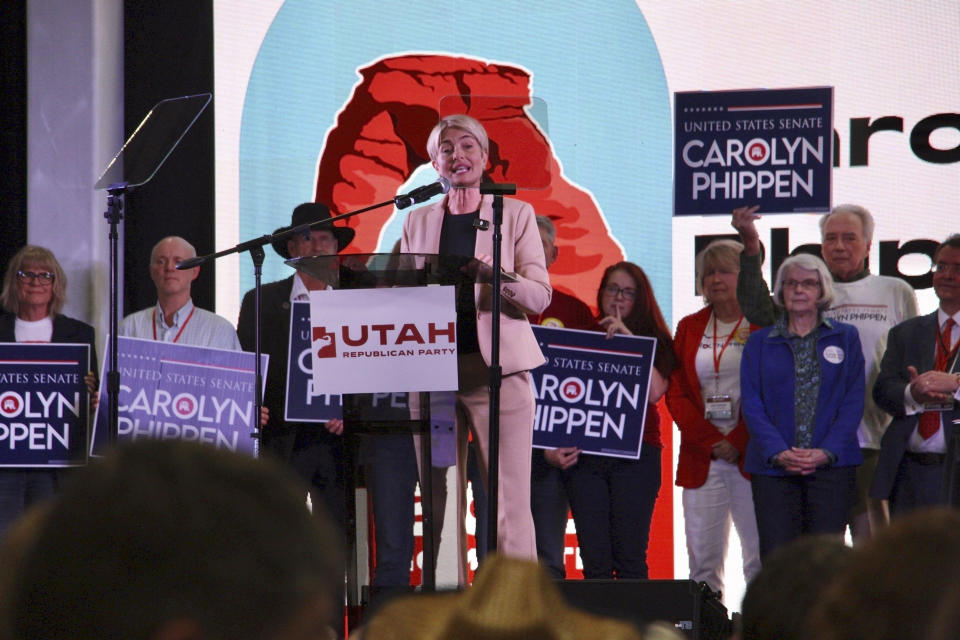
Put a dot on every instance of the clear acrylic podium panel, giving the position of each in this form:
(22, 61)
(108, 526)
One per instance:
(373, 270)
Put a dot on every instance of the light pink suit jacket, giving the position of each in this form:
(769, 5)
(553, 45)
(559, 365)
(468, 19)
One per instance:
(521, 254)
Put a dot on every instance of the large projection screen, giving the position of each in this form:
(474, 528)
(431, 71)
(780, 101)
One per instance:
(312, 98)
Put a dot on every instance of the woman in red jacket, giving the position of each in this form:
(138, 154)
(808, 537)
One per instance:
(704, 400)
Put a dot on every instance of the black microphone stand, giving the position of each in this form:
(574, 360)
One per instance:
(257, 255)
(494, 371)
(114, 214)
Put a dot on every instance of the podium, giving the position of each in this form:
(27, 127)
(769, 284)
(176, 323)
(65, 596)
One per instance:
(361, 416)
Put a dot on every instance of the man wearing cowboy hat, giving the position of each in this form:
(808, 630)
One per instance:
(315, 452)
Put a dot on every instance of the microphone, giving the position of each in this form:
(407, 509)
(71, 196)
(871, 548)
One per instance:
(420, 194)
(190, 263)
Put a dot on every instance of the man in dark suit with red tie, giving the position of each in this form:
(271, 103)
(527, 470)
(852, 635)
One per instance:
(919, 384)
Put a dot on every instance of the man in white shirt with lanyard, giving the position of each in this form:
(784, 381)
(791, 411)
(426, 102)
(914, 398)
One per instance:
(175, 318)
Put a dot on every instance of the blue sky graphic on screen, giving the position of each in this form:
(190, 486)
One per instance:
(607, 130)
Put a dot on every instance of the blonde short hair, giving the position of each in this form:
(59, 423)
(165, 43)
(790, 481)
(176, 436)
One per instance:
(723, 252)
(458, 121)
(39, 257)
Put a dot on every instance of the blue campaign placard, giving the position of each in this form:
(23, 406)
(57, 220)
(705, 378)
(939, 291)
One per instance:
(766, 147)
(44, 405)
(592, 391)
(175, 391)
(303, 402)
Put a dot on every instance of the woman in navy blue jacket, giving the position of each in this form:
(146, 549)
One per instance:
(34, 292)
(802, 389)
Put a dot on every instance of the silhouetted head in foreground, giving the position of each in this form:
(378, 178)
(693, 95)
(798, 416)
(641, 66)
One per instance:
(179, 541)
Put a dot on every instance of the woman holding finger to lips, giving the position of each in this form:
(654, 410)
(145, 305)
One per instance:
(612, 499)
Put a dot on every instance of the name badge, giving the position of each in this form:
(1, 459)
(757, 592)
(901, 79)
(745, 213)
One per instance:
(718, 407)
(938, 406)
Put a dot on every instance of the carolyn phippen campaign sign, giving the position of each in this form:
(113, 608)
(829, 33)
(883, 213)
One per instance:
(44, 409)
(174, 391)
(766, 147)
(304, 401)
(384, 340)
(592, 391)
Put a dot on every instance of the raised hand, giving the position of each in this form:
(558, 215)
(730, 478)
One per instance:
(744, 221)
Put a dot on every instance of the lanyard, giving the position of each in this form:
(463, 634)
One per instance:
(182, 327)
(717, 357)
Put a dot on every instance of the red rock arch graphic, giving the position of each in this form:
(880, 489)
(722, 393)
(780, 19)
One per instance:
(379, 139)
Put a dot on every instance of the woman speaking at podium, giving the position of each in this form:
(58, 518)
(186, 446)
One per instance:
(461, 225)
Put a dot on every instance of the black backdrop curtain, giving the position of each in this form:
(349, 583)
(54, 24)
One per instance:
(13, 129)
(168, 52)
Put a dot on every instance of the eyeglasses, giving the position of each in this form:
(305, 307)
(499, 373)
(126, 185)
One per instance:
(43, 277)
(947, 267)
(801, 284)
(613, 291)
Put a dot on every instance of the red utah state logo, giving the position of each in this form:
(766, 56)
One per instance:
(325, 343)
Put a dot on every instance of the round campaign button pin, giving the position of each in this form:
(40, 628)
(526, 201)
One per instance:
(833, 355)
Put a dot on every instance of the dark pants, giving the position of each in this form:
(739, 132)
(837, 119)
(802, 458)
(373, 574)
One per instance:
(22, 488)
(317, 457)
(918, 484)
(391, 473)
(790, 506)
(612, 501)
(548, 501)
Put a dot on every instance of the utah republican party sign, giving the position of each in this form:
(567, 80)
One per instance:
(384, 340)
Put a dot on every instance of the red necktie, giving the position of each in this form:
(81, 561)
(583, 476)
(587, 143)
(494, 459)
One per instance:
(930, 420)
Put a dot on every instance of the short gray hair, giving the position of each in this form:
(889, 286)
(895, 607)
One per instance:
(190, 248)
(458, 121)
(810, 263)
(866, 219)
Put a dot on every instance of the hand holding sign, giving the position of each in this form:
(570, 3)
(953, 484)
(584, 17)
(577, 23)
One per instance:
(91, 381)
(563, 457)
(334, 426)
